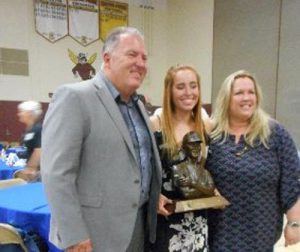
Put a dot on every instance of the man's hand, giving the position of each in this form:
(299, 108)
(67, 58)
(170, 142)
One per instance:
(84, 246)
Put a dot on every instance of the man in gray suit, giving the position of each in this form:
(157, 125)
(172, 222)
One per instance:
(100, 165)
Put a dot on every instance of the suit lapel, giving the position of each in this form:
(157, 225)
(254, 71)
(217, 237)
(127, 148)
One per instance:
(113, 110)
(154, 149)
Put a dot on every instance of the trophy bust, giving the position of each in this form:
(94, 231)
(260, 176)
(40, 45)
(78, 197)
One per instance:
(193, 182)
(190, 178)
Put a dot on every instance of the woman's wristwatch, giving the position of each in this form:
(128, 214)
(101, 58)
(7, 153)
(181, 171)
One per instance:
(293, 224)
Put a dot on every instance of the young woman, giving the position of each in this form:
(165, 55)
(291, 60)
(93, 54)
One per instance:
(181, 113)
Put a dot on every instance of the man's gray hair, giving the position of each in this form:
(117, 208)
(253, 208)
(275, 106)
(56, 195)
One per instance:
(113, 38)
(32, 106)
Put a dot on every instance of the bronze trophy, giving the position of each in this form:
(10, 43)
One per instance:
(193, 182)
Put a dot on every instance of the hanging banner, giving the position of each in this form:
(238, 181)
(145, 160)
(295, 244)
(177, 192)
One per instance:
(112, 14)
(51, 19)
(83, 20)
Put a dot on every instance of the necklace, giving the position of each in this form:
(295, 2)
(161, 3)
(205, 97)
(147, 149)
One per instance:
(240, 153)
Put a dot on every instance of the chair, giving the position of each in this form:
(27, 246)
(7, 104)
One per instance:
(9, 235)
(10, 182)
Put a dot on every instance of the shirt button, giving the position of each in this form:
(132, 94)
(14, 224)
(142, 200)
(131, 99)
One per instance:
(134, 205)
(136, 181)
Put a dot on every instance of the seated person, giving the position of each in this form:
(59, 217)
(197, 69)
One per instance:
(29, 113)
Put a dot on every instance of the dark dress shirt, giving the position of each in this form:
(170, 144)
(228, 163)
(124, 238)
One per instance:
(139, 135)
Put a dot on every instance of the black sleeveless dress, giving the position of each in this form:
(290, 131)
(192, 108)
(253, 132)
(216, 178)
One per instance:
(185, 232)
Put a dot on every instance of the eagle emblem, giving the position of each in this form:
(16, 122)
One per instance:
(83, 66)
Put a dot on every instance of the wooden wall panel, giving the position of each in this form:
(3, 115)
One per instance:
(246, 36)
(288, 95)
(262, 37)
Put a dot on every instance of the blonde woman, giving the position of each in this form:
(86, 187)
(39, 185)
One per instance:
(181, 113)
(255, 166)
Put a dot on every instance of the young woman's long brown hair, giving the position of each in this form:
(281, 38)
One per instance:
(167, 127)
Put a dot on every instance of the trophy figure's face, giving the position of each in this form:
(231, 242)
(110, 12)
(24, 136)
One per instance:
(191, 144)
(192, 149)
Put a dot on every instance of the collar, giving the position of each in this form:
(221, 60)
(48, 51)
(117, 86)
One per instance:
(116, 94)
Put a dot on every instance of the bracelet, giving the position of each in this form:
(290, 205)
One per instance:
(293, 224)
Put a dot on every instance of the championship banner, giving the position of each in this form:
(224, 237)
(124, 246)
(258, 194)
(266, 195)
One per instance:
(83, 20)
(51, 19)
(112, 14)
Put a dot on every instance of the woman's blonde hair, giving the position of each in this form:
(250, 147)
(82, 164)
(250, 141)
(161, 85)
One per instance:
(168, 110)
(259, 127)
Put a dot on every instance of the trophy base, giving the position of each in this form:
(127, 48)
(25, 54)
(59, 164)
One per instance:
(197, 204)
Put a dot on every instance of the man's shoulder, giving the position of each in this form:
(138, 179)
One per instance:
(82, 86)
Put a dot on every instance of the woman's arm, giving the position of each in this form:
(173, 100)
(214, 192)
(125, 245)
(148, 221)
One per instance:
(32, 169)
(34, 160)
(155, 123)
(292, 228)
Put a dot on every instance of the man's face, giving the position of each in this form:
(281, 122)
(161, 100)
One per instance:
(126, 66)
(24, 116)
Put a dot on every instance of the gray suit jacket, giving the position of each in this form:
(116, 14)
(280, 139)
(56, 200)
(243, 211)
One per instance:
(89, 169)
